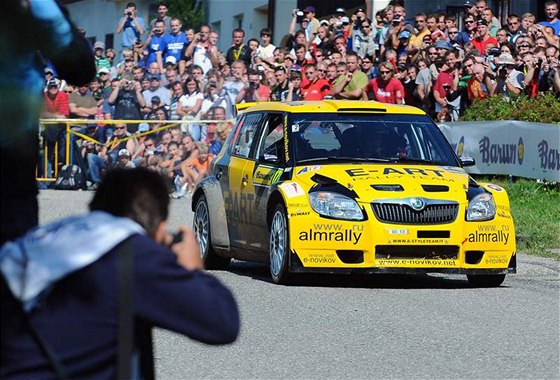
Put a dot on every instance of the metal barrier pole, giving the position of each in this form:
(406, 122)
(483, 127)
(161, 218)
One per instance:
(55, 159)
(68, 146)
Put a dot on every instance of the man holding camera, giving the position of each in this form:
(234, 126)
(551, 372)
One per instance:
(202, 52)
(118, 273)
(509, 81)
(127, 98)
(131, 26)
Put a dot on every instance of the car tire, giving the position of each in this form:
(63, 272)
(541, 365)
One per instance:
(486, 280)
(201, 226)
(279, 246)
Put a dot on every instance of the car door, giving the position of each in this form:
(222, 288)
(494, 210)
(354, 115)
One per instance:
(263, 169)
(238, 200)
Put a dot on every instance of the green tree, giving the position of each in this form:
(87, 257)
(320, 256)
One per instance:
(190, 12)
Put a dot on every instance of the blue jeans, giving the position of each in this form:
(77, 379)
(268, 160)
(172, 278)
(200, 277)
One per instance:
(96, 164)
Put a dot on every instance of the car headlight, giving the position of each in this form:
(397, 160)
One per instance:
(481, 207)
(335, 205)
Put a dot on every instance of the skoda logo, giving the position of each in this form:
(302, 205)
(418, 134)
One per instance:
(417, 203)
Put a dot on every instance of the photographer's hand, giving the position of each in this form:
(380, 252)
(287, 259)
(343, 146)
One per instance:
(187, 250)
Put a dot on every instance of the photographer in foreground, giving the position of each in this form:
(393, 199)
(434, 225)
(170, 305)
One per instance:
(67, 309)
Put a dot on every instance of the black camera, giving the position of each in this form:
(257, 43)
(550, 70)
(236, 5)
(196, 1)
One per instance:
(129, 13)
(502, 71)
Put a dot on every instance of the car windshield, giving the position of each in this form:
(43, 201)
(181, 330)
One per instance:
(369, 138)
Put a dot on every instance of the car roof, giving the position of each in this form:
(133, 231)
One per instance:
(330, 106)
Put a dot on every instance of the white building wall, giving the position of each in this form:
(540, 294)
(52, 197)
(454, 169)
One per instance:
(226, 15)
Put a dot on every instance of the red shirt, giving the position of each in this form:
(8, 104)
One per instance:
(57, 105)
(481, 45)
(386, 92)
(316, 90)
(443, 78)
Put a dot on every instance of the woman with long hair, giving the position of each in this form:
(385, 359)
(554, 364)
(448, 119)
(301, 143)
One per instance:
(189, 106)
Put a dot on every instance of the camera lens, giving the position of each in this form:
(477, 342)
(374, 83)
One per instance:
(129, 13)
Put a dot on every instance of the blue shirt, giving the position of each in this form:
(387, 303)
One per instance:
(129, 32)
(555, 26)
(152, 48)
(172, 45)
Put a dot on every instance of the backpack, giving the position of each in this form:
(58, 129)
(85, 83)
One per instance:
(70, 177)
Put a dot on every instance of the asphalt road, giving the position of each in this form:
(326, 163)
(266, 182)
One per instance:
(369, 326)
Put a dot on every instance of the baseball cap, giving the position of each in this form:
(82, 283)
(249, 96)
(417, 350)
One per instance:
(53, 83)
(468, 3)
(103, 70)
(442, 44)
(482, 22)
(506, 59)
(345, 20)
(98, 45)
(143, 127)
(171, 59)
(324, 22)
(340, 10)
(154, 77)
(405, 34)
(124, 152)
(48, 70)
(309, 8)
(155, 99)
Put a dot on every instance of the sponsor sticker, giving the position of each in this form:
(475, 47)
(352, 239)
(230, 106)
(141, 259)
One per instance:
(495, 187)
(292, 189)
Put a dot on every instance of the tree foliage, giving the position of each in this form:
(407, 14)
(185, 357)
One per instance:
(190, 12)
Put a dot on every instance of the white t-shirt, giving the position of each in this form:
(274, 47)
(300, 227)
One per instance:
(189, 101)
(201, 57)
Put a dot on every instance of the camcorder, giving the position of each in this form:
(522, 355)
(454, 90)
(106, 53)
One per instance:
(502, 70)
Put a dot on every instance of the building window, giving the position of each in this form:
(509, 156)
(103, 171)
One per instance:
(109, 41)
(238, 21)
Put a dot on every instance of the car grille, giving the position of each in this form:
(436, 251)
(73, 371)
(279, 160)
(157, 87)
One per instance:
(404, 214)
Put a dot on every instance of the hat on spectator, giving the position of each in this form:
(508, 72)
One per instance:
(324, 22)
(48, 70)
(143, 127)
(345, 20)
(340, 11)
(53, 82)
(405, 34)
(154, 77)
(506, 59)
(442, 44)
(309, 9)
(482, 21)
(155, 99)
(468, 3)
(171, 59)
(98, 45)
(103, 70)
(124, 152)
(295, 68)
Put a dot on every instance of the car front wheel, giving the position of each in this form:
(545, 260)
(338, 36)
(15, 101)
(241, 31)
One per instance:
(201, 225)
(486, 280)
(279, 246)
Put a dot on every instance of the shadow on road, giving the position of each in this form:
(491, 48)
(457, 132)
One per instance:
(260, 272)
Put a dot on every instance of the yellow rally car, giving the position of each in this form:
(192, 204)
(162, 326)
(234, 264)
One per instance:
(347, 187)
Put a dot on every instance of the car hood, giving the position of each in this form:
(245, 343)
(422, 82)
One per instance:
(379, 181)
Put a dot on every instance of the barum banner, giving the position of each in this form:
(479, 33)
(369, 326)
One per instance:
(521, 149)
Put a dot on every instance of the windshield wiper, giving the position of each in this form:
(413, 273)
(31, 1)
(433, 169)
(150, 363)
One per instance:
(342, 159)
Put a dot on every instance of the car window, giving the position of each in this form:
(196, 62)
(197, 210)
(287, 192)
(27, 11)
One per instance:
(271, 146)
(245, 134)
(356, 136)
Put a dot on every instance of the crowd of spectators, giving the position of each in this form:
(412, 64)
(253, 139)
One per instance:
(169, 73)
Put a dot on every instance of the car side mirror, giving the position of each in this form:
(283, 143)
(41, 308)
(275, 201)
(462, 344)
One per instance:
(467, 161)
